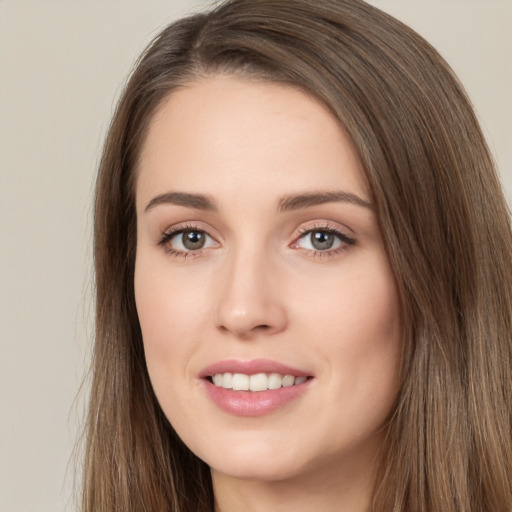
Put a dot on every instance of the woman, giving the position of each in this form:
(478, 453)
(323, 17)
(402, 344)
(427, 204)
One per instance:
(302, 262)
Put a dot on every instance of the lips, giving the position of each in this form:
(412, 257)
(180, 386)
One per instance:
(251, 367)
(253, 388)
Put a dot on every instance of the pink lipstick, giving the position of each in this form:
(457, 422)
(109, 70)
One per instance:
(255, 387)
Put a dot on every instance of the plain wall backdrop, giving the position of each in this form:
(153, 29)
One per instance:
(62, 66)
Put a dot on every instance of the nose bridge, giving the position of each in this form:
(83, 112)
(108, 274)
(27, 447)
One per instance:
(250, 300)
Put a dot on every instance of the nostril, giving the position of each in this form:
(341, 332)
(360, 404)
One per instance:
(243, 330)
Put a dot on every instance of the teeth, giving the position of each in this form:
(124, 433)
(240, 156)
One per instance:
(288, 380)
(274, 381)
(240, 382)
(227, 380)
(256, 382)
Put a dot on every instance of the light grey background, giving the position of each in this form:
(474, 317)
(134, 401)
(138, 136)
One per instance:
(62, 64)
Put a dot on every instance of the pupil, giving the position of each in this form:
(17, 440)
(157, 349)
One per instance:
(193, 240)
(321, 240)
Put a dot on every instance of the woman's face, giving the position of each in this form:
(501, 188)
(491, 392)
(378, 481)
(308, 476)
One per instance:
(260, 264)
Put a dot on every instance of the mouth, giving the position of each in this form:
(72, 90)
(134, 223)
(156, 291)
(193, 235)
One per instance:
(254, 388)
(256, 382)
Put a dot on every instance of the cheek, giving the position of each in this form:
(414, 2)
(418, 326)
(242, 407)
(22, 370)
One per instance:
(165, 314)
(375, 344)
(357, 307)
(356, 322)
(166, 304)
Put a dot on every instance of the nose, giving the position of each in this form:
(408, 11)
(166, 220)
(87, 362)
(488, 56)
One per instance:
(251, 299)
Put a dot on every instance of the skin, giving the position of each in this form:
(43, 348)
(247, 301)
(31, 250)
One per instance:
(260, 289)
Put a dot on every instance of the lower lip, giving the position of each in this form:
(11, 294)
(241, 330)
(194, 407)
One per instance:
(254, 403)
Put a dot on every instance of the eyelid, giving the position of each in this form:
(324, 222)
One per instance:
(188, 226)
(347, 241)
(174, 231)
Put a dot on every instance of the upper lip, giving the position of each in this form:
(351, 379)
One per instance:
(251, 367)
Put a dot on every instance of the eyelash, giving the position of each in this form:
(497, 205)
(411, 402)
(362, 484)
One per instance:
(167, 236)
(346, 240)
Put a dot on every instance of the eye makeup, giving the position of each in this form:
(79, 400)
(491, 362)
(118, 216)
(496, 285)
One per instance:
(319, 239)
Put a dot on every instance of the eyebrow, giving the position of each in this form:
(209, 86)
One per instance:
(189, 200)
(287, 203)
(298, 201)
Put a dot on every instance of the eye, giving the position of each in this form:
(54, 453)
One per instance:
(321, 240)
(190, 240)
(183, 241)
(326, 240)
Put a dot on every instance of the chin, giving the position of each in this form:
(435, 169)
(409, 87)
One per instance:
(268, 471)
(252, 460)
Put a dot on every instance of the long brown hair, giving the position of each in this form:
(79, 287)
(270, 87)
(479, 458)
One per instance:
(443, 219)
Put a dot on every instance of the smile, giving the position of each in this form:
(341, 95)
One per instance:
(256, 382)
(254, 387)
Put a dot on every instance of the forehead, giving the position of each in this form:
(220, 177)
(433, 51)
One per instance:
(223, 132)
